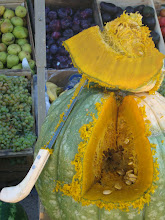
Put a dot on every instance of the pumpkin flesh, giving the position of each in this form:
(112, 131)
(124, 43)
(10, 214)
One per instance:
(121, 140)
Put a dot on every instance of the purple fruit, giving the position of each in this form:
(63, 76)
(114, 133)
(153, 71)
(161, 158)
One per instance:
(77, 14)
(76, 20)
(66, 23)
(62, 51)
(63, 65)
(129, 9)
(69, 11)
(60, 41)
(50, 42)
(85, 24)
(106, 17)
(47, 10)
(55, 35)
(55, 25)
(48, 37)
(68, 33)
(76, 28)
(48, 29)
(62, 12)
(86, 13)
(49, 58)
(62, 58)
(53, 49)
(52, 15)
(47, 20)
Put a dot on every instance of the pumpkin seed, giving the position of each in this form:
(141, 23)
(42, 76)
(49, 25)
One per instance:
(132, 180)
(130, 163)
(118, 186)
(129, 171)
(107, 192)
(131, 175)
(121, 172)
(126, 141)
(128, 182)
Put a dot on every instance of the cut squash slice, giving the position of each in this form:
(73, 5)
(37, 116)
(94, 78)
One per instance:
(125, 59)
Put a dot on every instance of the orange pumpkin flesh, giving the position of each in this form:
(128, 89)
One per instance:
(121, 144)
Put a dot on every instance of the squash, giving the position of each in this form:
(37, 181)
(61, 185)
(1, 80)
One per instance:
(108, 160)
(9, 211)
(122, 52)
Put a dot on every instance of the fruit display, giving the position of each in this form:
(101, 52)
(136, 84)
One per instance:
(14, 44)
(62, 24)
(110, 12)
(161, 19)
(106, 157)
(16, 120)
(12, 211)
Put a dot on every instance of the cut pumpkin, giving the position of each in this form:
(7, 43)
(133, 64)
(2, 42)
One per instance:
(125, 59)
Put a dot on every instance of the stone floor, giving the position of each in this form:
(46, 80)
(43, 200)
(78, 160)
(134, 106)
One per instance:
(31, 205)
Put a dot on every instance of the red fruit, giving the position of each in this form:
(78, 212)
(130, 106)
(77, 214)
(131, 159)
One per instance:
(162, 12)
(163, 31)
(162, 21)
(56, 35)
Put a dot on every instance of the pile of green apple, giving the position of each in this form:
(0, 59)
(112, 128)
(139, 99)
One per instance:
(14, 44)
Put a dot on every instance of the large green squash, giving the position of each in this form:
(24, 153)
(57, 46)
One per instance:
(101, 137)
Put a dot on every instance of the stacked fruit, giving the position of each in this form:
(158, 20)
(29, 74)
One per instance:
(162, 21)
(15, 45)
(110, 11)
(62, 24)
(16, 121)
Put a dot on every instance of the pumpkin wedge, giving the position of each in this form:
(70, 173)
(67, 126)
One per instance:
(123, 56)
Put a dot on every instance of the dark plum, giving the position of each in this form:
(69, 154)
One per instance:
(66, 22)
(60, 41)
(48, 29)
(69, 11)
(47, 10)
(76, 20)
(106, 17)
(86, 13)
(52, 15)
(119, 12)
(62, 58)
(129, 9)
(48, 37)
(49, 58)
(63, 65)
(85, 24)
(55, 35)
(53, 49)
(55, 25)
(76, 28)
(150, 22)
(68, 33)
(62, 51)
(108, 7)
(77, 14)
(139, 9)
(62, 12)
(50, 42)
(47, 20)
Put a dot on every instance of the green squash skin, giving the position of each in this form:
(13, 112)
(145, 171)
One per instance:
(59, 165)
(9, 211)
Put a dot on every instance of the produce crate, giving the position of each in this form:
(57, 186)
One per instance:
(125, 3)
(12, 4)
(12, 174)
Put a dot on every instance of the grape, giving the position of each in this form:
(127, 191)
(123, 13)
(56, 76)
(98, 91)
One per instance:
(16, 121)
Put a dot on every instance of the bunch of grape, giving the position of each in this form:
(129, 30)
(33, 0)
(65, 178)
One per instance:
(16, 121)
(162, 88)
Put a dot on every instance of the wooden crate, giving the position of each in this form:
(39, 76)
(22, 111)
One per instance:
(125, 3)
(12, 4)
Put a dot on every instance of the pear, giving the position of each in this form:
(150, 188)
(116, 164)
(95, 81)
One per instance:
(1, 20)
(8, 38)
(20, 32)
(2, 10)
(24, 54)
(12, 60)
(3, 57)
(1, 65)
(6, 26)
(14, 49)
(20, 11)
(3, 47)
(8, 14)
(27, 48)
(19, 66)
(17, 21)
(21, 41)
(31, 64)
